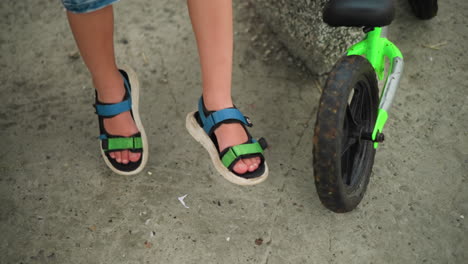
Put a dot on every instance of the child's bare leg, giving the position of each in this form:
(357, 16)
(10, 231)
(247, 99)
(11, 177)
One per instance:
(93, 33)
(212, 24)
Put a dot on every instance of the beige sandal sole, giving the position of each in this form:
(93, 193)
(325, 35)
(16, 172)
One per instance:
(136, 116)
(200, 136)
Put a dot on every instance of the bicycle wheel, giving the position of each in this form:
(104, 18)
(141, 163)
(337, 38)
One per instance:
(343, 153)
(424, 9)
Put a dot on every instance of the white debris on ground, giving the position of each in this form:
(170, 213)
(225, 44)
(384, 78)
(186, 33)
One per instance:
(181, 199)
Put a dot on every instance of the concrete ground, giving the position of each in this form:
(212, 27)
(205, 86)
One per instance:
(60, 204)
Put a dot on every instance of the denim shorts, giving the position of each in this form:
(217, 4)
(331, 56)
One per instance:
(86, 6)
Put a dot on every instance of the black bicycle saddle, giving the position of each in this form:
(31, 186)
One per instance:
(359, 13)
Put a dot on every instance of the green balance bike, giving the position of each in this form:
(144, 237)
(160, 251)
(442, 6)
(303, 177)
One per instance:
(352, 111)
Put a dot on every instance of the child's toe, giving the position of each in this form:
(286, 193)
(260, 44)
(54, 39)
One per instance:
(134, 157)
(125, 158)
(240, 167)
(257, 161)
(247, 162)
(118, 156)
(253, 167)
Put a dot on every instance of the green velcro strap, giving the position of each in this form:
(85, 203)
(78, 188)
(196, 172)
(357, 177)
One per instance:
(239, 150)
(124, 143)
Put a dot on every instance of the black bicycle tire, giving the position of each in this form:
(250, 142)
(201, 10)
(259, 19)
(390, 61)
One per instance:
(328, 133)
(424, 9)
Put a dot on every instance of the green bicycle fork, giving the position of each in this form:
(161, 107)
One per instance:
(376, 48)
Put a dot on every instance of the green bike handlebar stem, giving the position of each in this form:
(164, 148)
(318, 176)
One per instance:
(376, 47)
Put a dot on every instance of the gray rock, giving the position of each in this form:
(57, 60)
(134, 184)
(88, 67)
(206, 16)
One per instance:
(300, 27)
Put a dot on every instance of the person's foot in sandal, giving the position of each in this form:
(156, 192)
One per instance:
(112, 91)
(234, 153)
(124, 146)
(229, 135)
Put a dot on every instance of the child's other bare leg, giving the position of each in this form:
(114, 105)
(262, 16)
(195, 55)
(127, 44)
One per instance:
(213, 26)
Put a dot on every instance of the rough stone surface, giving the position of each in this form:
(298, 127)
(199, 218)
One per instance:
(300, 27)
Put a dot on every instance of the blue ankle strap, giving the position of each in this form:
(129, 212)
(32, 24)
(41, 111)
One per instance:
(212, 120)
(109, 110)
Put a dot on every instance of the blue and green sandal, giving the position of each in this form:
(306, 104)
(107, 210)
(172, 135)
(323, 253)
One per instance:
(202, 124)
(134, 143)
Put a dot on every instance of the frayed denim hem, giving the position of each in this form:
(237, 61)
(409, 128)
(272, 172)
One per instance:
(86, 6)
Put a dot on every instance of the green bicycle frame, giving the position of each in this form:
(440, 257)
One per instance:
(376, 47)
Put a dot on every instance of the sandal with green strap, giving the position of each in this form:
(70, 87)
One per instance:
(202, 124)
(134, 143)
